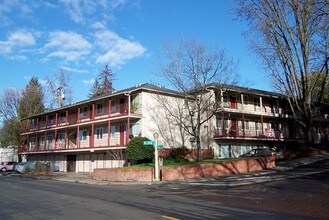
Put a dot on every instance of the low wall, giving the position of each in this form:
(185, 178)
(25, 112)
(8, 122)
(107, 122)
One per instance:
(215, 169)
(185, 171)
(123, 174)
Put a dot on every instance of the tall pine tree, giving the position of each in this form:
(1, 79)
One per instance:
(31, 101)
(103, 83)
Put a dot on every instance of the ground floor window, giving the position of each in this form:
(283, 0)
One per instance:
(245, 149)
(225, 151)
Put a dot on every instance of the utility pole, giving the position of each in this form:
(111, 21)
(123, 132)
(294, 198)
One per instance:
(60, 96)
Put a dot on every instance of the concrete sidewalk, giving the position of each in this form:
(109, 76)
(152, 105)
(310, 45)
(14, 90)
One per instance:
(232, 180)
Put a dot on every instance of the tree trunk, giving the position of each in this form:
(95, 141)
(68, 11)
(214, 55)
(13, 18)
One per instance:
(309, 133)
(199, 149)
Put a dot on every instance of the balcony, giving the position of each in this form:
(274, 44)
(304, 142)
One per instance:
(268, 134)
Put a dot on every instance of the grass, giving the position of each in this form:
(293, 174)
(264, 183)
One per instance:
(174, 163)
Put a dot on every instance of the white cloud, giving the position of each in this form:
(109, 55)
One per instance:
(68, 45)
(117, 3)
(18, 39)
(81, 10)
(98, 25)
(73, 70)
(19, 58)
(88, 82)
(117, 50)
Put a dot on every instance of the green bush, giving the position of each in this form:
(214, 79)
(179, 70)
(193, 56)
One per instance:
(178, 153)
(136, 151)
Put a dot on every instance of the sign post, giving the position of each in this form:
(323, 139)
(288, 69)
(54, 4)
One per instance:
(156, 162)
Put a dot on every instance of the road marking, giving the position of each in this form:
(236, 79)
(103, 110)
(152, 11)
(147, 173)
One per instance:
(168, 217)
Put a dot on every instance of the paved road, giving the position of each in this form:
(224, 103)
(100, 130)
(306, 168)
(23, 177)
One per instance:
(298, 194)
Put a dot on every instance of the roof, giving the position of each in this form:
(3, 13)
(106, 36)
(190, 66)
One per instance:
(141, 87)
(246, 90)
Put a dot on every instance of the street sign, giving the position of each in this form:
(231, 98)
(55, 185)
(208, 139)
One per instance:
(160, 147)
(148, 142)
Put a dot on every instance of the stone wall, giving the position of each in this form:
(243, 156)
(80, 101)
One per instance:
(170, 173)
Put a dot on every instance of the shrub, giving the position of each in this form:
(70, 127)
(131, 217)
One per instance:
(139, 152)
(178, 153)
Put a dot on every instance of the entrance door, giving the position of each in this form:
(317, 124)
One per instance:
(233, 127)
(233, 102)
(122, 134)
(71, 162)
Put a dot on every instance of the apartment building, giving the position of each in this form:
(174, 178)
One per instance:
(251, 118)
(92, 133)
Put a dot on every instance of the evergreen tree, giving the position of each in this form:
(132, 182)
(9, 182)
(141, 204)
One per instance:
(31, 101)
(103, 83)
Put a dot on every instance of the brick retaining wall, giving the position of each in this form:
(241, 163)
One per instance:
(123, 175)
(215, 169)
(185, 171)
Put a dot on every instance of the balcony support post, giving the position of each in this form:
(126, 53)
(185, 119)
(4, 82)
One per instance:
(77, 140)
(243, 127)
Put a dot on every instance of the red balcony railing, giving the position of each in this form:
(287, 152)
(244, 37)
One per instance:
(248, 133)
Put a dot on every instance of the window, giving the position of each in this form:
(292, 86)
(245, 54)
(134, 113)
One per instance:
(32, 141)
(246, 125)
(99, 108)
(43, 120)
(257, 125)
(84, 112)
(256, 101)
(42, 140)
(219, 123)
(134, 129)
(33, 122)
(226, 123)
(245, 100)
(245, 149)
(61, 136)
(62, 117)
(51, 119)
(113, 107)
(50, 139)
(83, 135)
(99, 133)
(112, 131)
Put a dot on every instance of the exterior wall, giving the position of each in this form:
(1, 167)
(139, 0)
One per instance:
(8, 154)
(85, 162)
(155, 119)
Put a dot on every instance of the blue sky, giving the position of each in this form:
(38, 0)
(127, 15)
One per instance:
(37, 37)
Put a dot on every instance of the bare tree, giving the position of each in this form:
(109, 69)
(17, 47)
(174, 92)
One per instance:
(192, 68)
(291, 36)
(9, 102)
(59, 89)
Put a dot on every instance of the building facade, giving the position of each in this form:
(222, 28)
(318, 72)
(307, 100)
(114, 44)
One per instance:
(92, 134)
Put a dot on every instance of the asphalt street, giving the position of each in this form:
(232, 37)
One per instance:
(301, 193)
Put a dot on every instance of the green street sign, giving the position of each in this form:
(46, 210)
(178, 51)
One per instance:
(148, 142)
(160, 147)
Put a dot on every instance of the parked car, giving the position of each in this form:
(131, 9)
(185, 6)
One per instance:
(25, 166)
(279, 155)
(259, 152)
(8, 166)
